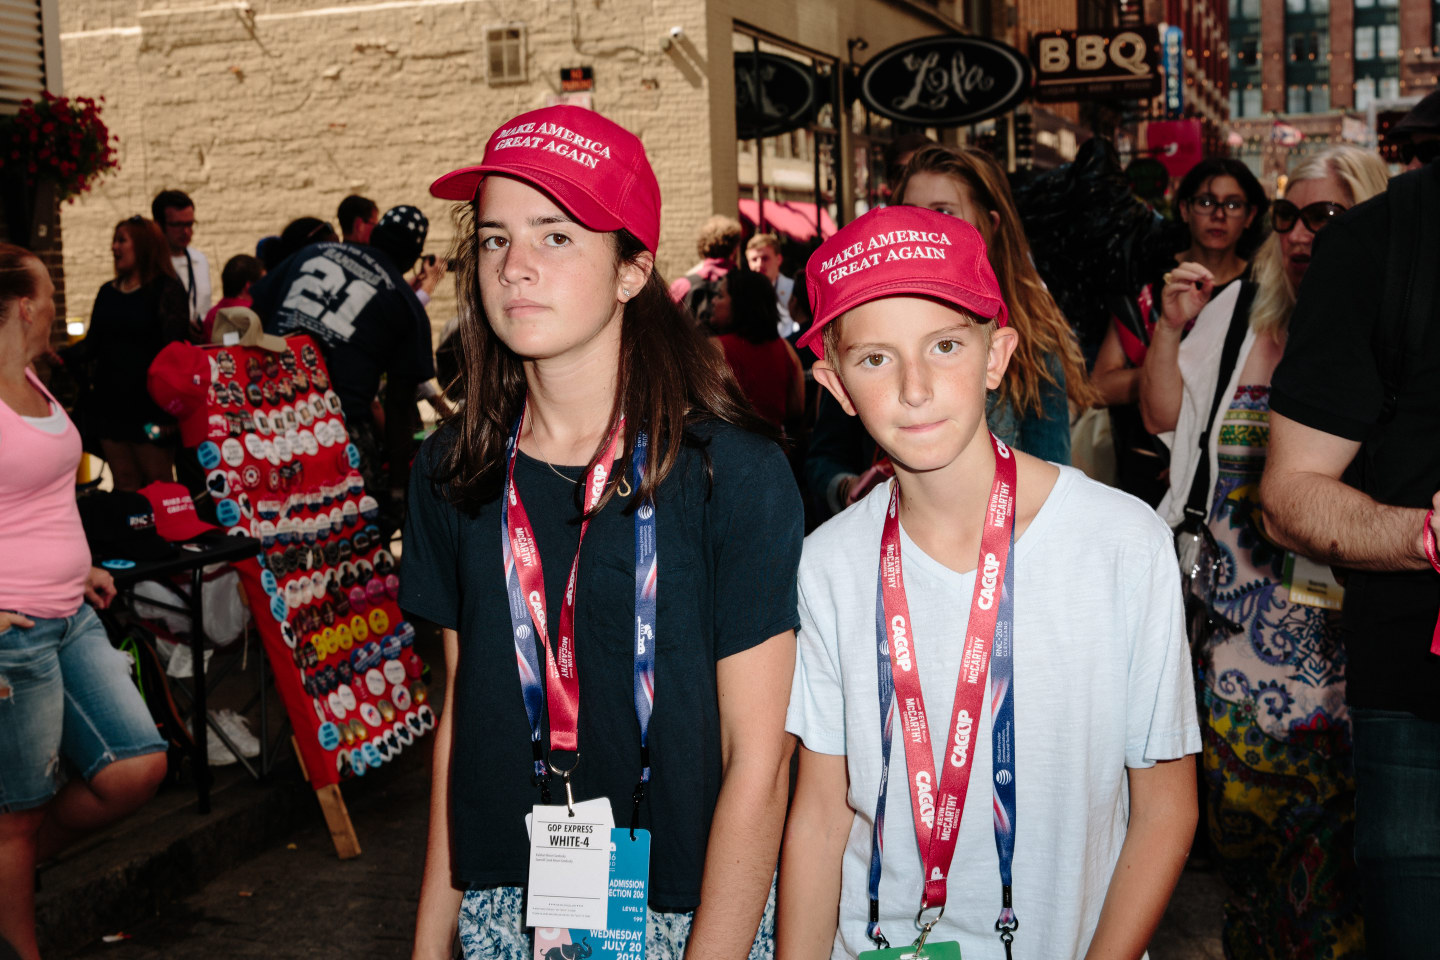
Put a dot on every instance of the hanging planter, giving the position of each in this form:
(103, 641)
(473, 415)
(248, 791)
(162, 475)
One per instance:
(53, 150)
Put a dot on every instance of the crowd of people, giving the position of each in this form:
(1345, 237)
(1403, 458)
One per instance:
(1264, 701)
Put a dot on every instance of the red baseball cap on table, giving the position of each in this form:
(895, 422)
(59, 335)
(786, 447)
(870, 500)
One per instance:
(901, 252)
(179, 381)
(175, 517)
(593, 167)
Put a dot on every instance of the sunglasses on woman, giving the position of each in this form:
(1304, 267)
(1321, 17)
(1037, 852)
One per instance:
(1284, 215)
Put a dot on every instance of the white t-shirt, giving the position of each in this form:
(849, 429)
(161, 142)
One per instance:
(1102, 682)
(784, 290)
(188, 265)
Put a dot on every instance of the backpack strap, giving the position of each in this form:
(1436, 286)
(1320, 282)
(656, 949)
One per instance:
(1195, 506)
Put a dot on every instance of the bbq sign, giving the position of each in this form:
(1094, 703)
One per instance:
(1121, 62)
(945, 81)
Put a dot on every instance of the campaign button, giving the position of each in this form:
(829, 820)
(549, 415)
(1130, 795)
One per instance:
(401, 695)
(267, 533)
(352, 455)
(381, 747)
(392, 587)
(347, 696)
(307, 590)
(375, 590)
(358, 761)
(307, 530)
(218, 483)
(351, 512)
(320, 713)
(278, 609)
(370, 714)
(328, 735)
(272, 455)
(403, 733)
(372, 754)
(308, 444)
(375, 681)
(208, 454)
(419, 691)
(267, 583)
(232, 452)
(414, 667)
(343, 637)
(247, 509)
(416, 725)
(359, 629)
(227, 512)
(254, 445)
(262, 423)
(390, 739)
(390, 648)
(379, 621)
(337, 706)
(406, 633)
(395, 672)
(427, 716)
(287, 635)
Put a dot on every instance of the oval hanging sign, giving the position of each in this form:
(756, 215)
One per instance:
(945, 81)
(773, 95)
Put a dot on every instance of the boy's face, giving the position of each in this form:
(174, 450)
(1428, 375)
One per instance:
(764, 260)
(915, 372)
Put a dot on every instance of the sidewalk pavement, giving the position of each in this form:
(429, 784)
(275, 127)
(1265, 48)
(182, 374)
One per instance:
(258, 877)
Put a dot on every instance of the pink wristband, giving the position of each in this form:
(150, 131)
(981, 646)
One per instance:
(1429, 539)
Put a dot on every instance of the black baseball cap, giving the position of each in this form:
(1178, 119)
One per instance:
(121, 526)
(1424, 117)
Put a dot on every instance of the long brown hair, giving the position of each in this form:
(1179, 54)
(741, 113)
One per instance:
(1043, 330)
(152, 250)
(668, 379)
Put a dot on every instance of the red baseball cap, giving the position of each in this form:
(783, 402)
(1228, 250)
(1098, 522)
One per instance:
(593, 167)
(179, 381)
(175, 517)
(898, 252)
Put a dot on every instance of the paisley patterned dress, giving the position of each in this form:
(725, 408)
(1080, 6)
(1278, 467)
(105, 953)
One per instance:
(1276, 731)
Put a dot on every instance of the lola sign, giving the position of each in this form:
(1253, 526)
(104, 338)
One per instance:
(945, 81)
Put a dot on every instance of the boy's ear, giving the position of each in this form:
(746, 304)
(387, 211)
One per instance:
(829, 378)
(1002, 347)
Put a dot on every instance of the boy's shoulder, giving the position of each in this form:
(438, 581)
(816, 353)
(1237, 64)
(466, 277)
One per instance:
(851, 533)
(1101, 514)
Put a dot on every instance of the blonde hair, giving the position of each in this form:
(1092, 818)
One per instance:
(762, 240)
(1362, 174)
(1044, 331)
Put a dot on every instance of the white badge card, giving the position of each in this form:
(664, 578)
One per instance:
(1312, 584)
(570, 865)
(624, 936)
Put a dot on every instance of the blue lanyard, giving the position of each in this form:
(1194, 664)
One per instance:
(524, 629)
(1002, 718)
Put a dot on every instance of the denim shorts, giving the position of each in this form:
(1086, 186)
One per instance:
(65, 693)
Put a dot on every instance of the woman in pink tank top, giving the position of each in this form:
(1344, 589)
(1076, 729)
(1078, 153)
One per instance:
(66, 699)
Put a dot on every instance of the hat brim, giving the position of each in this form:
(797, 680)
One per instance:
(184, 528)
(983, 307)
(195, 428)
(463, 184)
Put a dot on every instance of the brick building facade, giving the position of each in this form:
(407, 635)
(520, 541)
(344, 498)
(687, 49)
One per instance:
(266, 110)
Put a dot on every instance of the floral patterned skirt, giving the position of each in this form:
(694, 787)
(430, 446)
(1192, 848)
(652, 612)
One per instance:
(1282, 820)
(492, 927)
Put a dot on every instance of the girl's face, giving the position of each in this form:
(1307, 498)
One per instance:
(720, 308)
(1212, 224)
(947, 194)
(1295, 245)
(550, 286)
(123, 250)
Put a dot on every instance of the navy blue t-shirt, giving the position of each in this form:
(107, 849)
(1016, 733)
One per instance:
(728, 553)
(358, 306)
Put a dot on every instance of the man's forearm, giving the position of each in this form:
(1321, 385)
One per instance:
(1329, 521)
(740, 861)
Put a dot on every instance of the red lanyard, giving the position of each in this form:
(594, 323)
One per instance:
(562, 687)
(938, 812)
(1434, 557)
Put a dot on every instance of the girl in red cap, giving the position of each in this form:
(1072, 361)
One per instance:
(609, 538)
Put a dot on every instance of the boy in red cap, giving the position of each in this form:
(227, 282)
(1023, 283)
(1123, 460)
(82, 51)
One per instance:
(984, 610)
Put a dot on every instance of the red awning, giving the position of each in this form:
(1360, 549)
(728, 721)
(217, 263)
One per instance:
(794, 218)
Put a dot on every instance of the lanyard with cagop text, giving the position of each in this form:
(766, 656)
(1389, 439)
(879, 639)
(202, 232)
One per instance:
(989, 650)
(525, 589)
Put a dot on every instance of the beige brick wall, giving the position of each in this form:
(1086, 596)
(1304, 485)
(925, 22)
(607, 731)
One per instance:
(274, 109)
(262, 119)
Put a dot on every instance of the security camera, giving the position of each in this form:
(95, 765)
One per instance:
(677, 32)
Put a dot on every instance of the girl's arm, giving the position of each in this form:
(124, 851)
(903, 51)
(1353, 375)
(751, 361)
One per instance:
(1163, 813)
(1117, 383)
(1161, 385)
(815, 835)
(439, 900)
(754, 690)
